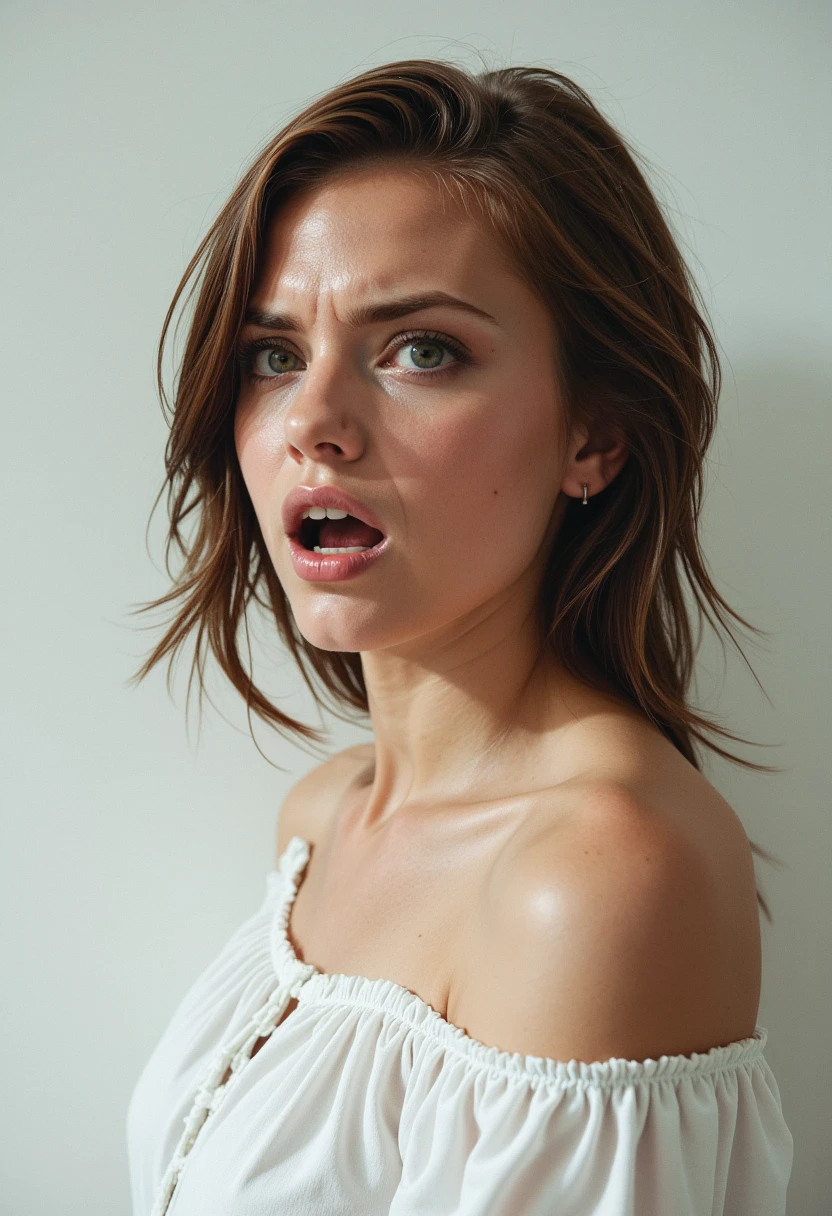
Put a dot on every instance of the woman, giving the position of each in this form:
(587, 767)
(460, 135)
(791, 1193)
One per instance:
(443, 411)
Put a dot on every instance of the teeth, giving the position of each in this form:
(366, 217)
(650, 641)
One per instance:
(351, 549)
(332, 513)
(325, 513)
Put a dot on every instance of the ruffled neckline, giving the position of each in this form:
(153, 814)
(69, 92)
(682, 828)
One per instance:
(310, 985)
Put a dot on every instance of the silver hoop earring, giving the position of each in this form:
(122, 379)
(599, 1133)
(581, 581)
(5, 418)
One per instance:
(583, 500)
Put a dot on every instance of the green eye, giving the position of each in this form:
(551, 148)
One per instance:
(276, 360)
(426, 354)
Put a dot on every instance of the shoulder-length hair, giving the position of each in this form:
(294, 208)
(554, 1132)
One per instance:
(563, 191)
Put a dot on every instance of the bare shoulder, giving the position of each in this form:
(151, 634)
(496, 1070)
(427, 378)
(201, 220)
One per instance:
(625, 928)
(309, 804)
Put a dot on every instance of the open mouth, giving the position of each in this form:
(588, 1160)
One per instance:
(336, 532)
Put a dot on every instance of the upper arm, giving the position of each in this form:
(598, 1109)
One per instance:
(308, 803)
(619, 940)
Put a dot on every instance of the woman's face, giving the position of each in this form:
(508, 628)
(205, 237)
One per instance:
(444, 421)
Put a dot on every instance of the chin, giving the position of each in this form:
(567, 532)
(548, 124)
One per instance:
(339, 628)
(355, 627)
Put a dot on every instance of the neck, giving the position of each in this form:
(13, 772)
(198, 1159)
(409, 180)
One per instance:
(453, 710)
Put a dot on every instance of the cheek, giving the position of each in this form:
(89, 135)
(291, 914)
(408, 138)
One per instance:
(258, 439)
(493, 479)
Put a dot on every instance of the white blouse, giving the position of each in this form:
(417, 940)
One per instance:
(365, 1100)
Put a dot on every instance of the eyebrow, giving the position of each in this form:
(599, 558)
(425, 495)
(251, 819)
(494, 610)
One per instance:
(374, 313)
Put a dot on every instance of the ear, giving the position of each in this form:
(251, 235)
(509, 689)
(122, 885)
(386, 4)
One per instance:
(597, 454)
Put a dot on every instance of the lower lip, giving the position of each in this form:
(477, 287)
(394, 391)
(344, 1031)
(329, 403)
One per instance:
(332, 567)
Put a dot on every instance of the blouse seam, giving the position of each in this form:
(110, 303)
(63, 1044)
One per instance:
(444, 1034)
(518, 1072)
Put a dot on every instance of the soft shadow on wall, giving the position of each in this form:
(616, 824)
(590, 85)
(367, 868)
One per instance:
(767, 528)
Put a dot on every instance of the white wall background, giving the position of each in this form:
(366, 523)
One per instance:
(131, 848)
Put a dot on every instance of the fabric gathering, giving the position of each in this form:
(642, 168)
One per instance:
(363, 1099)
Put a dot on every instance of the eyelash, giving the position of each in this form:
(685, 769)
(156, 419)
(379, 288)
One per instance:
(248, 351)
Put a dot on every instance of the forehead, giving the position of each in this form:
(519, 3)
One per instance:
(379, 229)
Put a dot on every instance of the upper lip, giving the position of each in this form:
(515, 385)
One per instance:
(301, 499)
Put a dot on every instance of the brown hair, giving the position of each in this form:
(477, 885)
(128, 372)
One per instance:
(564, 193)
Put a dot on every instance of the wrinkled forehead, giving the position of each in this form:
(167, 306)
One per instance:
(377, 231)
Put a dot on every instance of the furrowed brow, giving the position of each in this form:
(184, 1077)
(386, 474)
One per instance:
(374, 313)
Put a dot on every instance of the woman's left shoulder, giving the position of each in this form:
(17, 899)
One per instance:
(630, 785)
(626, 916)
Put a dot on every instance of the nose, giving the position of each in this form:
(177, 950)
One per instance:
(323, 421)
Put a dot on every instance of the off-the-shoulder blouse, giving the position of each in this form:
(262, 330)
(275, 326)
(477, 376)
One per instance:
(364, 1100)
